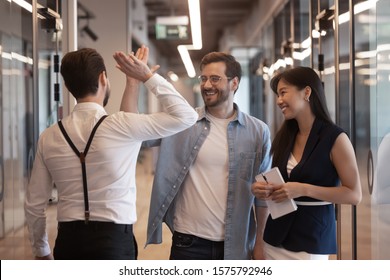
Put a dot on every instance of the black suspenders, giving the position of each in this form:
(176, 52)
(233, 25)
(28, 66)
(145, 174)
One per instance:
(82, 156)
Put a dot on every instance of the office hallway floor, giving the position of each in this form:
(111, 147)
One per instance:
(144, 186)
(16, 245)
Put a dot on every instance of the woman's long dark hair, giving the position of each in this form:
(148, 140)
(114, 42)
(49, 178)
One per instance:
(300, 77)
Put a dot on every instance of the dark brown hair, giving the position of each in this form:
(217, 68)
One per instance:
(80, 70)
(233, 67)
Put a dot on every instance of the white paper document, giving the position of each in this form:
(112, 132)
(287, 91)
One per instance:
(277, 209)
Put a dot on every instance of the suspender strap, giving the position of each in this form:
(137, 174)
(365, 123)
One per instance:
(82, 156)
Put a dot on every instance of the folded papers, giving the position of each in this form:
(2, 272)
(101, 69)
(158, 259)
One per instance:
(277, 209)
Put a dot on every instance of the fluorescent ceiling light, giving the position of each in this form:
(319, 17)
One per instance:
(359, 8)
(24, 5)
(185, 56)
(28, 7)
(196, 33)
(196, 29)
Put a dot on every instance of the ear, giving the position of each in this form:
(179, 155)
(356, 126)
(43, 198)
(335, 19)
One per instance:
(234, 84)
(103, 78)
(307, 93)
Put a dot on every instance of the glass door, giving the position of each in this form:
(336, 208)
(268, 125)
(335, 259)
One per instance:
(372, 84)
(365, 45)
(325, 60)
(365, 229)
(332, 41)
(27, 81)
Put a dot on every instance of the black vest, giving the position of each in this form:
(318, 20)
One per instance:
(311, 228)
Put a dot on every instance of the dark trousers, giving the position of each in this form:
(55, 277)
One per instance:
(190, 247)
(94, 241)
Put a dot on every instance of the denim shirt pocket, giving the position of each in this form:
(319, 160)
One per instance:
(246, 163)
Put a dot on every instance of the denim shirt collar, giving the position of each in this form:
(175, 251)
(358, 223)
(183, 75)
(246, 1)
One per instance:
(239, 116)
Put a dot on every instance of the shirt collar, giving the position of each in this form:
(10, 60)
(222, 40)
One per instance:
(85, 106)
(239, 115)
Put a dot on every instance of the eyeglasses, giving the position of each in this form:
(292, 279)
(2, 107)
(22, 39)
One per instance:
(214, 80)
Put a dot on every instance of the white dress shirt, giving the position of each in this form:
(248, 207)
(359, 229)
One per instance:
(110, 162)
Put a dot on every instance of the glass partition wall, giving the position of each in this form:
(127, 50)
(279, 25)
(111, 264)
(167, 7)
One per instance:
(28, 44)
(347, 43)
(372, 82)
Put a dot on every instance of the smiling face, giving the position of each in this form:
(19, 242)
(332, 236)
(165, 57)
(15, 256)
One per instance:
(217, 94)
(291, 100)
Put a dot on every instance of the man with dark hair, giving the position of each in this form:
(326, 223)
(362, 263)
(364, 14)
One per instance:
(94, 172)
(202, 185)
(80, 71)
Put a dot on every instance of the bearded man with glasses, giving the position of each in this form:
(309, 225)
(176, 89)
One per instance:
(202, 184)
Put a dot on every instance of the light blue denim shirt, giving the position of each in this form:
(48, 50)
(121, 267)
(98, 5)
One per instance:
(249, 154)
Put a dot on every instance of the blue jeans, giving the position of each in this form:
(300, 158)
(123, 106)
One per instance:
(190, 247)
(94, 241)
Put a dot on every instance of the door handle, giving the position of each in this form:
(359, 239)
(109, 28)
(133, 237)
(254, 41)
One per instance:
(370, 172)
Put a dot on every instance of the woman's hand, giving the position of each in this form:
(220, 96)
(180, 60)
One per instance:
(265, 191)
(289, 190)
(262, 190)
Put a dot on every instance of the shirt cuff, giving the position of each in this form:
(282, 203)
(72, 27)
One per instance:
(42, 252)
(153, 81)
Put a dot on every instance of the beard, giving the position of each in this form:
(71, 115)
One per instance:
(218, 98)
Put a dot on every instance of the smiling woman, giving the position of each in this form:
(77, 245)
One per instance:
(318, 164)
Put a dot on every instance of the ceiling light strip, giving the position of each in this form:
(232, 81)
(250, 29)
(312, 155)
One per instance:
(196, 29)
(196, 33)
(185, 57)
